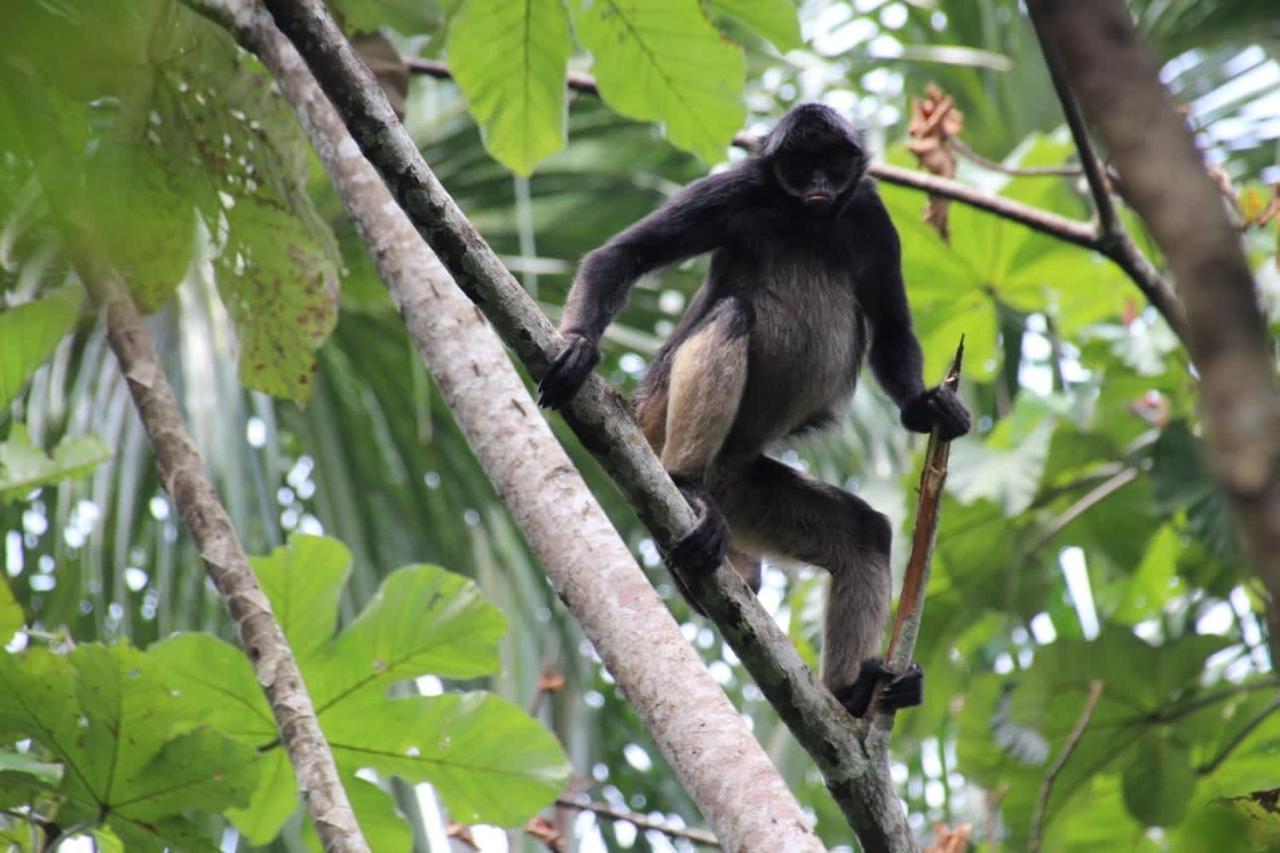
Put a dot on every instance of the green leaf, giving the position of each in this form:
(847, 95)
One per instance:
(509, 60)
(23, 466)
(424, 620)
(775, 20)
(1154, 582)
(218, 679)
(11, 616)
(1006, 466)
(272, 803)
(129, 745)
(28, 334)
(381, 823)
(304, 581)
(409, 17)
(28, 764)
(490, 761)
(1159, 780)
(662, 61)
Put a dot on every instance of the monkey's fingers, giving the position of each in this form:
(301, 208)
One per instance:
(703, 548)
(952, 417)
(568, 373)
(904, 691)
(856, 697)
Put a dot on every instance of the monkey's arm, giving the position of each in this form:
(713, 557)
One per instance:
(692, 223)
(895, 355)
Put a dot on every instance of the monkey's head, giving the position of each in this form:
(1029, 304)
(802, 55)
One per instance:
(814, 156)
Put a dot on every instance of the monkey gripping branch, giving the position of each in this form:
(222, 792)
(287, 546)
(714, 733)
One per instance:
(858, 777)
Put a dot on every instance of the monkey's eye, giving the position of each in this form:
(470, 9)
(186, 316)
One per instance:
(795, 169)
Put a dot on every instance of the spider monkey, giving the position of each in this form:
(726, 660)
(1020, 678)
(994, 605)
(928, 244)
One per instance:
(804, 283)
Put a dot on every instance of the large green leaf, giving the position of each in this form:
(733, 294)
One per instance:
(304, 581)
(11, 615)
(381, 823)
(775, 20)
(28, 334)
(183, 127)
(132, 750)
(1006, 466)
(662, 61)
(509, 59)
(488, 759)
(424, 620)
(23, 466)
(1159, 780)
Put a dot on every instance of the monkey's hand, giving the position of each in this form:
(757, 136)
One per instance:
(900, 689)
(569, 371)
(938, 407)
(703, 548)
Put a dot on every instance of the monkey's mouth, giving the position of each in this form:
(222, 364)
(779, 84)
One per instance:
(817, 199)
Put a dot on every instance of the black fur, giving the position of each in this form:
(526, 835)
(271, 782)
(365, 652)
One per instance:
(804, 255)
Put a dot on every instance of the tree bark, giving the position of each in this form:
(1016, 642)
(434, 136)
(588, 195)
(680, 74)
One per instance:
(858, 780)
(689, 717)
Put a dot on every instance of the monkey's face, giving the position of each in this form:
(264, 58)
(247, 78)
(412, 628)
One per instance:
(817, 177)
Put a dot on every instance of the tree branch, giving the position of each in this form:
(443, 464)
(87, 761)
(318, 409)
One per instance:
(915, 580)
(644, 822)
(1167, 184)
(1068, 747)
(182, 472)
(1117, 246)
(700, 733)
(605, 426)
(1239, 737)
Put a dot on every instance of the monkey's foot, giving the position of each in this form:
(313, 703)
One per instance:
(901, 690)
(703, 548)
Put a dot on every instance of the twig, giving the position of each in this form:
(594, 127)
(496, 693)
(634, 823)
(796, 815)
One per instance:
(1247, 729)
(697, 836)
(1088, 501)
(1068, 747)
(605, 426)
(1210, 699)
(1108, 222)
(1117, 247)
(933, 476)
(969, 154)
(184, 477)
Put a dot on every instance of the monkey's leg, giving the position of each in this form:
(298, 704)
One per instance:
(778, 510)
(708, 374)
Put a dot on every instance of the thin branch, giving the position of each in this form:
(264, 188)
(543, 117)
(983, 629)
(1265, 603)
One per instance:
(1108, 221)
(1239, 738)
(604, 424)
(959, 146)
(184, 477)
(1088, 501)
(1207, 700)
(1068, 747)
(933, 477)
(1116, 246)
(640, 821)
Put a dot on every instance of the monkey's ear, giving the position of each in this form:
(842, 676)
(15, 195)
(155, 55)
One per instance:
(567, 374)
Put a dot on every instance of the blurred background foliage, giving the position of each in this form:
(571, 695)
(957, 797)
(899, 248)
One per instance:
(1081, 538)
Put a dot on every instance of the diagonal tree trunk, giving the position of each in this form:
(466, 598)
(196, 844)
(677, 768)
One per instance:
(689, 717)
